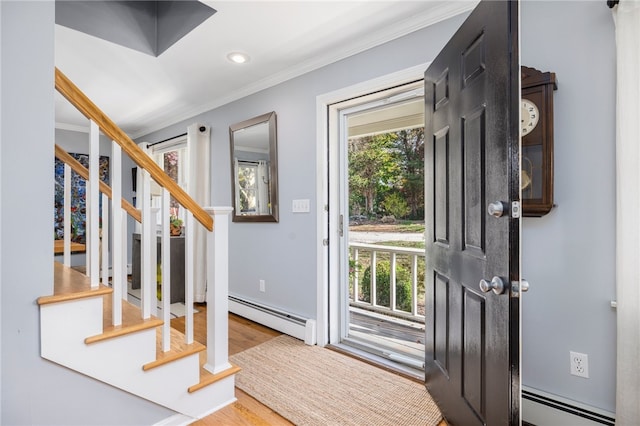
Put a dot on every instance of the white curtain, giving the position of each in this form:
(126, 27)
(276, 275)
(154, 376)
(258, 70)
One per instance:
(144, 146)
(263, 187)
(627, 20)
(198, 187)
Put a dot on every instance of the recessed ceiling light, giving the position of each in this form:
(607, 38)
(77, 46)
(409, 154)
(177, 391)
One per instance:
(238, 57)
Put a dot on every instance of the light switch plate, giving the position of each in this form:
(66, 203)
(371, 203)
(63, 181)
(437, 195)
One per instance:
(300, 206)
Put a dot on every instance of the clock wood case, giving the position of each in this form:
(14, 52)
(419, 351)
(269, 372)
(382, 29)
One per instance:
(537, 141)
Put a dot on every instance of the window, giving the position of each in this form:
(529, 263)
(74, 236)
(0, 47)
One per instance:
(172, 157)
(248, 183)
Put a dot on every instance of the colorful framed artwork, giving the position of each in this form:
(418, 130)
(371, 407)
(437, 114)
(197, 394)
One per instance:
(78, 198)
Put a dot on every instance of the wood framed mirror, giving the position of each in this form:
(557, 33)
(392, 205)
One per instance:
(254, 169)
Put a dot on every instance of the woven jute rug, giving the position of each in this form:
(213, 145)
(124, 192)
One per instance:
(309, 385)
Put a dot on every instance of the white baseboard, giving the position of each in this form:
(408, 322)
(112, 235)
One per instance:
(293, 325)
(176, 420)
(541, 408)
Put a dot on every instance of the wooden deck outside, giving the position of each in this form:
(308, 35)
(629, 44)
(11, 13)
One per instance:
(387, 333)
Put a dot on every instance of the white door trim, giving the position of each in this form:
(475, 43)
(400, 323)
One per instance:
(327, 280)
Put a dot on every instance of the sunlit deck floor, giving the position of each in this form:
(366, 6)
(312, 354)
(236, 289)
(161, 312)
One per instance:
(388, 334)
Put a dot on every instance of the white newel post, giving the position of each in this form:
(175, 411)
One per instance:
(218, 291)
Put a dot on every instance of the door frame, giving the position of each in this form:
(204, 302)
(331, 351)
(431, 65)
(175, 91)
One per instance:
(327, 135)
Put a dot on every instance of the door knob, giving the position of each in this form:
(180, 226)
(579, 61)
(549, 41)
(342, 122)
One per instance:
(496, 209)
(496, 284)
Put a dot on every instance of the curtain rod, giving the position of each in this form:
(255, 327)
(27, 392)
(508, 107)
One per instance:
(168, 139)
(612, 3)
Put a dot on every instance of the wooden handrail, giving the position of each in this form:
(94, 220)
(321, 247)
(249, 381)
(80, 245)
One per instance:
(77, 167)
(74, 95)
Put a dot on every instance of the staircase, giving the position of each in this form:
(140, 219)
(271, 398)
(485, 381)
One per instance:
(89, 326)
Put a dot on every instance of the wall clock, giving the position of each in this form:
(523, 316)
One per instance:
(536, 111)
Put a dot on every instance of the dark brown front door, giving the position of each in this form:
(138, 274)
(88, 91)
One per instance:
(472, 160)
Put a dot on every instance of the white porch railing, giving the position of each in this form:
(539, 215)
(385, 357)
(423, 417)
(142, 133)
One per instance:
(403, 295)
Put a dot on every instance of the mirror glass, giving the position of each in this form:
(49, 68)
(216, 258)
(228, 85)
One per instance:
(254, 169)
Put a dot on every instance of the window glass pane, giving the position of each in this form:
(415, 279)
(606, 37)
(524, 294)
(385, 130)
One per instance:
(247, 180)
(172, 166)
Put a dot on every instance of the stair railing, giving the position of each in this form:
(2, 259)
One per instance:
(217, 242)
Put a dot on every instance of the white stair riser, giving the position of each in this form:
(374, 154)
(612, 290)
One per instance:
(67, 323)
(214, 397)
(118, 361)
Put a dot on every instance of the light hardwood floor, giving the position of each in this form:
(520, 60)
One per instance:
(243, 334)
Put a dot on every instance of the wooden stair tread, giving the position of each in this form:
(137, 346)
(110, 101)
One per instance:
(207, 378)
(178, 350)
(69, 284)
(58, 247)
(132, 321)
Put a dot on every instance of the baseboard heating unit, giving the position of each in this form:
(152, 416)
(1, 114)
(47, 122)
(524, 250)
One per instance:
(284, 322)
(541, 408)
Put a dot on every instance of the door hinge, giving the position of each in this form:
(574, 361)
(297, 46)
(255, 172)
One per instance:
(341, 226)
(515, 209)
(325, 242)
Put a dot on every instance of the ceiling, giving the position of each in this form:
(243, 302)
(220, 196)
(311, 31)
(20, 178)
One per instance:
(284, 39)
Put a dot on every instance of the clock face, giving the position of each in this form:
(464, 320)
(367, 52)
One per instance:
(529, 116)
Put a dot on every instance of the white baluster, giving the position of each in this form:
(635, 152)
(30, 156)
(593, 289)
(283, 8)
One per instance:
(147, 237)
(67, 215)
(218, 291)
(392, 282)
(154, 262)
(104, 240)
(414, 284)
(92, 200)
(372, 284)
(119, 242)
(188, 270)
(124, 281)
(356, 277)
(166, 271)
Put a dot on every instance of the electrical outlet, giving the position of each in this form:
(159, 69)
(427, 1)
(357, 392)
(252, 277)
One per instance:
(579, 364)
(263, 286)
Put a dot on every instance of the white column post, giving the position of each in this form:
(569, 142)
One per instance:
(218, 291)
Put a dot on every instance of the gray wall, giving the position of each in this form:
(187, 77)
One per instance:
(568, 256)
(36, 391)
(284, 253)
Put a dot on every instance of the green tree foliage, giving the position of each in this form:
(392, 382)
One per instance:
(410, 148)
(372, 167)
(396, 205)
(384, 164)
(383, 287)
